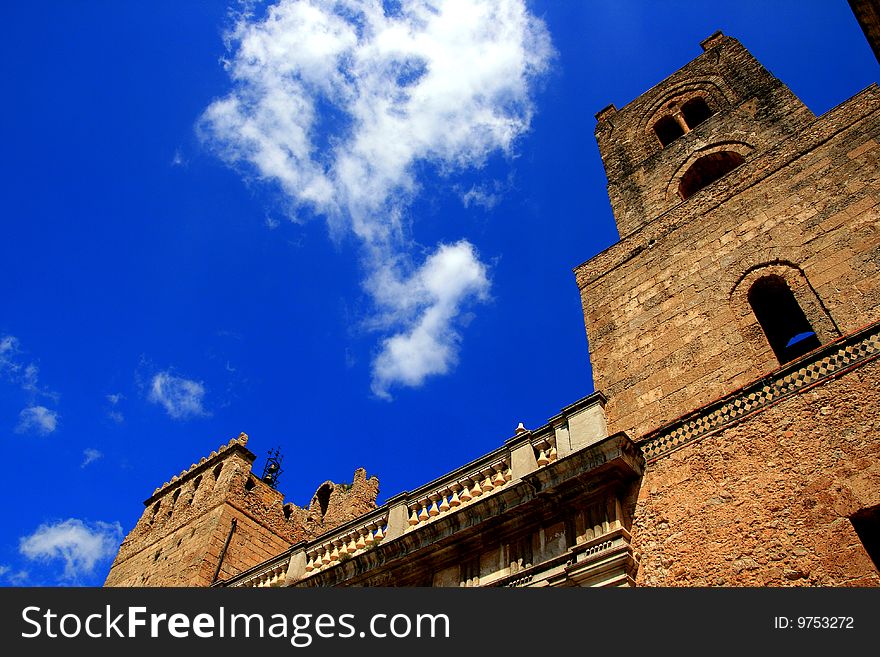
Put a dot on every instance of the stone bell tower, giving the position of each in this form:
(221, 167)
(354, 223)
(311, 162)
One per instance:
(735, 327)
(748, 235)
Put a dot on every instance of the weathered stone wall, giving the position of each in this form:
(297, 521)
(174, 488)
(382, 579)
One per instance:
(179, 539)
(767, 502)
(667, 319)
(752, 111)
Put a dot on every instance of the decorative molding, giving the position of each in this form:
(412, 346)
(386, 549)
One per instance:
(824, 363)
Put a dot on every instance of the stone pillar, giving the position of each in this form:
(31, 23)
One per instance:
(398, 516)
(522, 460)
(587, 426)
(563, 439)
(296, 567)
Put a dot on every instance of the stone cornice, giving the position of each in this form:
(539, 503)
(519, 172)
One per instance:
(826, 362)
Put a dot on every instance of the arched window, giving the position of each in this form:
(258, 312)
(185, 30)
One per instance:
(174, 499)
(323, 497)
(196, 484)
(787, 329)
(668, 130)
(695, 111)
(707, 170)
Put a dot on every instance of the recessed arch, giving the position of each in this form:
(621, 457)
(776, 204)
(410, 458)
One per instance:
(667, 130)
(695, 111)
(779, 314)
(782, 289)
(673, 189)
(706, 170)
(714, 90)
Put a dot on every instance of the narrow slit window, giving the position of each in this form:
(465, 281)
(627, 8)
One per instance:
(707, 170)
(787, 329)
(668, 130)
(695, 111)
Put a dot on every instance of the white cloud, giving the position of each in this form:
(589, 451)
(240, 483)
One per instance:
(37, 419)
(115, 398)
(90, 455)
(81, 546)
(3, 570)
(181, 398)
(341, 102)
(427, 304)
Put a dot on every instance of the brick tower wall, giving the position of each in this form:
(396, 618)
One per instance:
(667, 317)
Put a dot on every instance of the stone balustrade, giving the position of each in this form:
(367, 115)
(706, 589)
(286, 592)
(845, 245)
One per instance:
(269, 573)
(545, 450)
(462, 490)
(577, 426)
(332, 549)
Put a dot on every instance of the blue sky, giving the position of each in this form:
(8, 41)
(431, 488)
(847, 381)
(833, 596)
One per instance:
(349, 235)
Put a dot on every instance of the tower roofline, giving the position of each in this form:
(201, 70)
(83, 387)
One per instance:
(238, 444)
(717, 38)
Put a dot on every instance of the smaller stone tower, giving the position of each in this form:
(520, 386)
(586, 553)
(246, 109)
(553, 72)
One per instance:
(218, 518)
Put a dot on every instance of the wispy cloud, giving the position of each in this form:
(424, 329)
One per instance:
(341, 103)
(181, 398)
(18, 578)
(80, 546)
(14, 367)
(486, 195)
(90, 455)
(113, 412)
(37, 419)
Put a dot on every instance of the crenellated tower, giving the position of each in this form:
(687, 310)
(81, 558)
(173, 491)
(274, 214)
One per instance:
(218, 518)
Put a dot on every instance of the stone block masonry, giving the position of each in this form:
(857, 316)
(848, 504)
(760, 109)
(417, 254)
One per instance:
(185, 536)
(666, 310)
(768, 501)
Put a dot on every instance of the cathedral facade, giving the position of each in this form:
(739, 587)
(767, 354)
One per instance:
(734, 435)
